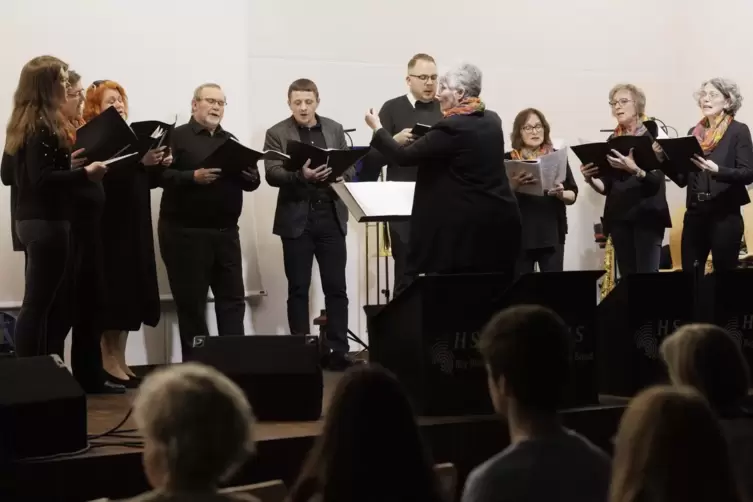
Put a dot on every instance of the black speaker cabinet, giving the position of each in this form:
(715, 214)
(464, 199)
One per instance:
(42, 409)
(280, 374)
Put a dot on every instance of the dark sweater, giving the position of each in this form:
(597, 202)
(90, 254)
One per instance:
(185, 203)
(44, 178)
(639, 201)
(544, 218)
(398, 114)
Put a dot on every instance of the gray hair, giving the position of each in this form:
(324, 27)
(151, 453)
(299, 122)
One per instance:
(198, 421)
(466, 78)
(638, 96)
(729, 90)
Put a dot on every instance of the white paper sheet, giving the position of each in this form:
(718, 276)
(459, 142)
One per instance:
(547, 171)
(375, 199)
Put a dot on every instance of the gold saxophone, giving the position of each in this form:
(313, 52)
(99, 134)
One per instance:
(607, 284)
(385, 245)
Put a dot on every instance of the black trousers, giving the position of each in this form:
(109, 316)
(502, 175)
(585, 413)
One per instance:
(637, 247)
(47, 260)
(322, 238)
(197, 259)
(717, 233)
(399, 238)
(550, 259)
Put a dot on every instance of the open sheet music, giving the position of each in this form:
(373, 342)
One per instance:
(153, 134)
(232, 157)
(548, 171)
(377, 200)
(336, 159)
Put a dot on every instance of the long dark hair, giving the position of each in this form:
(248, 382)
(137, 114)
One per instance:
(371, 447)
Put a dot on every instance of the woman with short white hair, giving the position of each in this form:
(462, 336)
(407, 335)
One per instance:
(198, 430)
(465, 218)
(713, 223)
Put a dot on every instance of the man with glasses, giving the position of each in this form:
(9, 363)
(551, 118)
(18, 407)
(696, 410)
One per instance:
(398, 116)
(198, 223)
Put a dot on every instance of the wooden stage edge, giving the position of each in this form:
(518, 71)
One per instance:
(115, 471)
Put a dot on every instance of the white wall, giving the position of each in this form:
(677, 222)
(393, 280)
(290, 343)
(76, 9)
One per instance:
(561, 57)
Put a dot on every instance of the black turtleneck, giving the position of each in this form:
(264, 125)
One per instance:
(398, 114)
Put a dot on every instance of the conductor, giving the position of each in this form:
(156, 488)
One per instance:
(465, 218)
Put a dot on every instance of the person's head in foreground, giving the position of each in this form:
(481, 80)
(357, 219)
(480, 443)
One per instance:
(371, 447)
(669, 448)
(526, 349)
(460, 86)
(197, 427)
(707, 358)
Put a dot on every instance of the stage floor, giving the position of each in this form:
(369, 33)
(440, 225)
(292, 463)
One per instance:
(105, 412)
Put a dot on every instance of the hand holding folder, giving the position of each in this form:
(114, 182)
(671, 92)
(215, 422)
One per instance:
(232, 157)
(335, 159)
(597, 153)
(105, 136)
(680, 153)
(152, 134)
(419, 130)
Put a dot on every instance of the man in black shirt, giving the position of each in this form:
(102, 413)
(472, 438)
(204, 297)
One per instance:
(198, 223)
(311, 220)
(398, 116)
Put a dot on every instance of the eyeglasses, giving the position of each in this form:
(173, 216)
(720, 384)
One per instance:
(424, 78)
(621, 102)
(76, 94)
(537, 128)
(710, 95)
(221, 103)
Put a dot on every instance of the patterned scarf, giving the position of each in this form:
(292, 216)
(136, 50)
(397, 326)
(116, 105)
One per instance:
(709, 136)
(621, 130)
(526, 154)
(466, 107)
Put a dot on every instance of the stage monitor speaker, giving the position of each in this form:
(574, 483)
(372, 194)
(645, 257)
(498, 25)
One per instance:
(42, 409)
(280, 374)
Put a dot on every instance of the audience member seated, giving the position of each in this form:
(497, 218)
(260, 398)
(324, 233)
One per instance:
(670, 448)
(708, 359)
(527, 354)
(370, 449)
(198, 430)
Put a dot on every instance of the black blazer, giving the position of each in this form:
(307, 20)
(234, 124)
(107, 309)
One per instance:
(293, 198)
(734, 156)
(465, 218)
(639, 201)
(544, 218)
(7, 175)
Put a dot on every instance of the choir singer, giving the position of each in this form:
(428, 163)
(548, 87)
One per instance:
(713, 222)
(635, 212)
(465, 218)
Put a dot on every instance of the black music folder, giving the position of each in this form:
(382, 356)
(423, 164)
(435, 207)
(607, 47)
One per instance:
(679, 153)
(232, 157)
(596, 153)
(105, 136)
(338, 160)
(153, 134)
(420, 129)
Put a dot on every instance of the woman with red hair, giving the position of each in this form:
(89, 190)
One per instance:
(132, 294)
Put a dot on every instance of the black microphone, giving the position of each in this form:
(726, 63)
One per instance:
(349, 130)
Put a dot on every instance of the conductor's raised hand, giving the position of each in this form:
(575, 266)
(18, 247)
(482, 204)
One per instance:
(77, 160)
(372, 120)
(589, 171)
(204, 176)
(404, 137)
(96, 171)
(321, 173)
